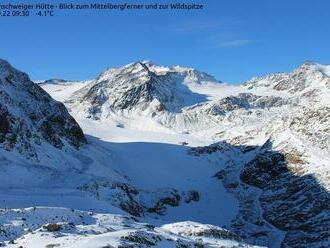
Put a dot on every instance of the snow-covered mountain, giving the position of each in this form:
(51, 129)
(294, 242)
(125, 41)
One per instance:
(306, 78)
(30, 117)
(140, 86)
(174, 147)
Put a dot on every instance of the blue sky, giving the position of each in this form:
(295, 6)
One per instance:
(233, 40)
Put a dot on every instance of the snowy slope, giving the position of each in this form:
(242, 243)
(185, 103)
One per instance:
(89, 229)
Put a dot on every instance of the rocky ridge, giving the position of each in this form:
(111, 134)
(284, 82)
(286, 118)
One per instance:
(30, 117)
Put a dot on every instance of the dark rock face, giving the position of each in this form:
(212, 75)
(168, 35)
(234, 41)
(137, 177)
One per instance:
(55, 127)
(279, 204)
(139, 202)
(297, 205)
(203, 150)
(5, 128)
(171, 198)
(191, 196)
(123, 195)
(29, 116)
(53, 227)
(245, 101)
(270, 165)
(217, 233)
(126, 199)
(314, 124)
(139, 239)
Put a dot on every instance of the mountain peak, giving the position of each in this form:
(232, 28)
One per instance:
(312, 65)
(6, 68)
(146, 69)
(136, 64)
(142, 65)
(142, 85)
(308, 76)
(3, 62)
(307, 65)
